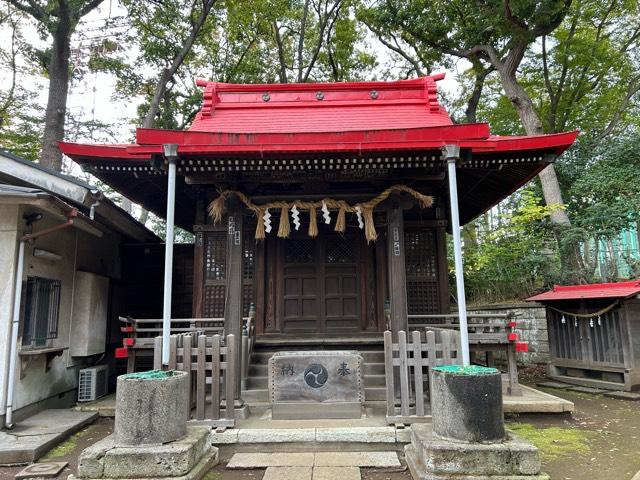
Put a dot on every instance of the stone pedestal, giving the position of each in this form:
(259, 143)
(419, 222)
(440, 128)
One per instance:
(151, 439)
(323, 384)
(151, 408)
(467, 408)
(467, 439)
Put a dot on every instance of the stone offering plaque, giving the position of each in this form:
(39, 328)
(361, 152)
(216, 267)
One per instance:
(322, 384)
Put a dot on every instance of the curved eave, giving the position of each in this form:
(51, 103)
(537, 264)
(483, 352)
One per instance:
(468, 137)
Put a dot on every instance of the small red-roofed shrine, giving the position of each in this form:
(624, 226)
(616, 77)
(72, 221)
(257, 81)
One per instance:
(593, 334)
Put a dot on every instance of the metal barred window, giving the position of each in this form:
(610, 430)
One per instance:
(42, 309)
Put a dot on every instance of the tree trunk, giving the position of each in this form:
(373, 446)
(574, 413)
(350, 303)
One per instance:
(58, 91)
(521, 101)
(170, 71)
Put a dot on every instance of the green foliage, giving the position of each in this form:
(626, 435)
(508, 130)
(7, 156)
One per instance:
(240, 42)
(20, 114)
(509, 254)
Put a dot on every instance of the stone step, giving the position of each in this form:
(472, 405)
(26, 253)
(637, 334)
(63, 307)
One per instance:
(258, 370)
(374, 380)
(256, 396)
(371, 368)
(257, 383)
(314, 459)
(375, 393)
(261, 357)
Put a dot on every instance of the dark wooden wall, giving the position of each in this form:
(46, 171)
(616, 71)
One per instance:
(143, 278)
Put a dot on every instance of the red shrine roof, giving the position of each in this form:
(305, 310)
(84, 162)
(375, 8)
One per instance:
(280, 135)
(593, 291)
(325, 107)
(349, 117)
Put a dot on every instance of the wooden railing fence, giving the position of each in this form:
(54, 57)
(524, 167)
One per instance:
(406, 366)
(488, 333)
(212, 371)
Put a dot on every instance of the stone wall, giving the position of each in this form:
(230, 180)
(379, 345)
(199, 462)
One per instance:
(531, 325)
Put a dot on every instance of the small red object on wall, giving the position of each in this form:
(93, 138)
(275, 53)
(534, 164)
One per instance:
(122, 352)
(128, 342)
(512, 337)
(522, 347)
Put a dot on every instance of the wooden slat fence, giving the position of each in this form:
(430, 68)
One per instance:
(212, 374)
(406, 366)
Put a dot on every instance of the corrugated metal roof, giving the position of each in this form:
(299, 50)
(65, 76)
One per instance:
(592, 291)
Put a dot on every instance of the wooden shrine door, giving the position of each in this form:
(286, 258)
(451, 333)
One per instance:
(319, 284)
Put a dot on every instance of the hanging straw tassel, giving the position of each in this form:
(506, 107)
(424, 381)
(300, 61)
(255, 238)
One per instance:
(313, 222)
(369, 227)
(341, 223)
(284, 229)
(260, 234)
(216, 208)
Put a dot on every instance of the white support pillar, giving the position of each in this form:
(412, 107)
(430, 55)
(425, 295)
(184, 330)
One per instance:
(171, 154)
(452, 155)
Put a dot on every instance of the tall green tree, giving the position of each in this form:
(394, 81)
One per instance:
(56, 20)
(20, 114)
(494, 32)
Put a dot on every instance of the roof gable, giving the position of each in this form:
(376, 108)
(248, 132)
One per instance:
(320, 107)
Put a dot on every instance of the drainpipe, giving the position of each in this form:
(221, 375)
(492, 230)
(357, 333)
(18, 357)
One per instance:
(171, 154)
(12, 347)
(452, 155)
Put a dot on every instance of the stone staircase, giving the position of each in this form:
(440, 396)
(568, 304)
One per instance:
(256, 391)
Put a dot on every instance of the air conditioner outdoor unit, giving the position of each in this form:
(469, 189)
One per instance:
(93, 383)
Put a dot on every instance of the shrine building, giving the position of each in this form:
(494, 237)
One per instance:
(323, 205)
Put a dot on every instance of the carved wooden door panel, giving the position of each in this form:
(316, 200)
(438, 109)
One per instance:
(320, 285)
(341, 284)
(300, 304)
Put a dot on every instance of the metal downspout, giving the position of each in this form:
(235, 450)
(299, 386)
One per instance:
(10, 368)
(452, 155)
(171, 154)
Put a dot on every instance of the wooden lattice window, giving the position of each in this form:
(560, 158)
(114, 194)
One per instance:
(215, 274)
(421, 258)
(215, 256)
(248, 269)
(340, 250)
(300, 251)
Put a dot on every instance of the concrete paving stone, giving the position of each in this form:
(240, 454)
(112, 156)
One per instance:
(357, 459)
(287, 473)
(357, 434)
(36, 435)
(403, 435)
(265, 460)
(226, 437)
(41, 470)
(276, 435)
(623, 395)
(552, 384)
(591, 390)
(336, 473)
